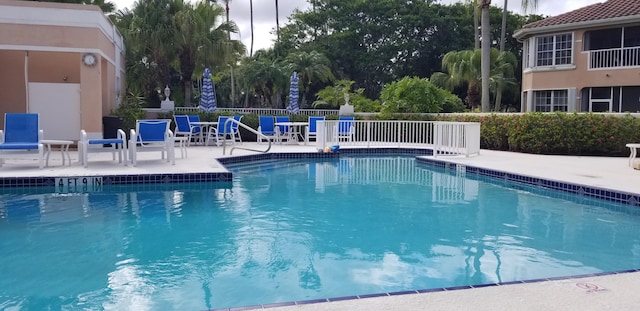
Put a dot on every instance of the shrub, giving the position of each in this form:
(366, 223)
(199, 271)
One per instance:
(557, 133)
(413, 95)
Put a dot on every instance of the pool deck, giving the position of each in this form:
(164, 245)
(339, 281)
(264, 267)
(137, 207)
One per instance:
(613, 292)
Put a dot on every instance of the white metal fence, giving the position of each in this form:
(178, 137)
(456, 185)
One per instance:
(461, 138)
(259, 111)
(446, 138)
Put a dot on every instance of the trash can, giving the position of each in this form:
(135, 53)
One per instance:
(110, 126)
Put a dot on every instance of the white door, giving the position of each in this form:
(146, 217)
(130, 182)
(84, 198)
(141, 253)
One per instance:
(59, 107)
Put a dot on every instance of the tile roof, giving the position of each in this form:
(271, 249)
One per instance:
(606, 10)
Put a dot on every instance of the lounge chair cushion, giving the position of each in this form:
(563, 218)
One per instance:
(105, 141)
(18, 146)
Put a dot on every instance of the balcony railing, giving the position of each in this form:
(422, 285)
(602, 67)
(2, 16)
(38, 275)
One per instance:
(615, 58)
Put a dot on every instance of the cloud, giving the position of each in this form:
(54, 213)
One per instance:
(264, 19)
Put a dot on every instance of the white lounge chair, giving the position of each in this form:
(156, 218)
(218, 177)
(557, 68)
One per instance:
(114, 145)
(152, 135)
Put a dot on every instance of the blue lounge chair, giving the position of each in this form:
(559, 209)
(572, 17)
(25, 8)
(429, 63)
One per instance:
(21, 137)
(184, 128)
(114, 145)
(311, 129)
(346, 128)
(152, 135)
(267, 128)
(235, 128)
(283, 131)
(223, 131)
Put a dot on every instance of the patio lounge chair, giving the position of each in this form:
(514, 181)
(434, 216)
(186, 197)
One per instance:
(184, 127)
(21, 137)
(346, 128)
(311, 129)
(235, 128)
(152, 135)
(114, 145)
(267, 128)
(283, 131)
(223, 131)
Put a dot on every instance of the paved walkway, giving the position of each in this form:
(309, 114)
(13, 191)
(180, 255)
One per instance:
(612, 292)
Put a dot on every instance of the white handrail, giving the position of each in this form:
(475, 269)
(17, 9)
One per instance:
(240, 124)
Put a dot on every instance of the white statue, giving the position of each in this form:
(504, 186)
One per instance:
(346, 108)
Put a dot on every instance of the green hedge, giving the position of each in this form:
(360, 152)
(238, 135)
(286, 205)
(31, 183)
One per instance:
(557, 133)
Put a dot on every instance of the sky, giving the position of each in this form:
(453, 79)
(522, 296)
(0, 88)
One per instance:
(264, 14)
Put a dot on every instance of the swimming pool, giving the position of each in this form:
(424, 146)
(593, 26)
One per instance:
(300, 229)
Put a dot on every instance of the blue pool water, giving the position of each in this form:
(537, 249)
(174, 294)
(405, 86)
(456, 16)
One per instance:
(290, 230)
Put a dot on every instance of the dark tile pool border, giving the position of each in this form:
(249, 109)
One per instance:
(161, 178)
(610, 195)
(128, 179)
(420, 291)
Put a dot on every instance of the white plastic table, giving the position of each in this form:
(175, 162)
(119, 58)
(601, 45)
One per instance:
(64, 149)
(295, 130)
(204, 128)
(634, 152)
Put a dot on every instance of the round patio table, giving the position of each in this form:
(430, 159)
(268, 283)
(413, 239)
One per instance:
(64, 149)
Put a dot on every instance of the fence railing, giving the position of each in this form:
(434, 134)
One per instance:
(458, 138)
(444, 137)
(614, 58)
(260, 111)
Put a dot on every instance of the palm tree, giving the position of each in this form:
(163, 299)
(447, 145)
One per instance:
(202, 40)
(503, 38)
(277, 22)
(151, 29)
(461, 67)
(476, 23)
(486, 47)
(464, 68)
(231, 66)
(251, 14)
(266, 78)
(310, 66)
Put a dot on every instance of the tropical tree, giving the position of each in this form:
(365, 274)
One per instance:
(265, 78)
(277, 22)
(150, 33)
(252, 35)
(413, 95)
(464, 68)
(202, 40)
(484, 6)
(461, 68)
(310, 66)
(331, 97)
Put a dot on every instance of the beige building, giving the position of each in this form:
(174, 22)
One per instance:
(583, 60)
(63, 61)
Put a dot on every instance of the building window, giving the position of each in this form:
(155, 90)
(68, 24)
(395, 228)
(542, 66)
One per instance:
(549, 101)
(526, 53)
(554, 50)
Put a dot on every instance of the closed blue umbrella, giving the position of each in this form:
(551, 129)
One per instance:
(293, 94)
(208, 94)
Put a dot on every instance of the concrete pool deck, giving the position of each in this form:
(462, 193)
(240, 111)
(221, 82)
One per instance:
(615, 292)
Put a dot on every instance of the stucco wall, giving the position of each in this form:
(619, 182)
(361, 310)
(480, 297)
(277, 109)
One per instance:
(13, 91)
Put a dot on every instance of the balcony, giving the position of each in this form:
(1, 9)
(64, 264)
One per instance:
(615, 58)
